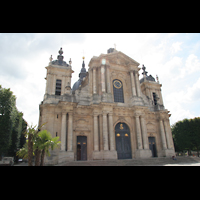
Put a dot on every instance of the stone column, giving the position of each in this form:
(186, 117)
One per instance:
(162, 134)
(94, 81)
(144, 133)
(96, 138)
(49, 79)
(103, 85)
(167, 134)
(133, 84)
(70, 132)
(160, 96)
(137, 84)
(105, 132)
(108, 79)
(111, 132)
(63, 132)
(53, 87)
(138, 132)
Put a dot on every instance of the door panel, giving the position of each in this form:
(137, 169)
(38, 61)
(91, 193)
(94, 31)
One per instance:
(152, 146)
(81, 148)
(123, 144)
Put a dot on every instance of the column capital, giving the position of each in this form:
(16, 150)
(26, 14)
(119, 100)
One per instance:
(95, 114)
(70, 112)
(104, 112)
(137, 114)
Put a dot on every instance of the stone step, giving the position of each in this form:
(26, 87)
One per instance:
(133, 162)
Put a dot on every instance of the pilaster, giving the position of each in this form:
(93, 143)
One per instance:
(63, 132)
(70, 132)
(133, 83)
(96, 138)
(105, 132)
(111, 132)
(94, 81)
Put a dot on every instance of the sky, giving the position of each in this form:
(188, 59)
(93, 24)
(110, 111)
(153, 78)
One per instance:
(174, 57)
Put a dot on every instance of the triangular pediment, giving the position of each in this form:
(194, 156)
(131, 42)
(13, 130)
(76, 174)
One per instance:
(120, 58)
(116, 57)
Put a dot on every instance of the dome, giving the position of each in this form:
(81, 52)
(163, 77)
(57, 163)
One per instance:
(76, 85)
(83, 70)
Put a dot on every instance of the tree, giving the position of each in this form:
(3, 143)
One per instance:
(12, 124)
(39, 145)
(45, 142)
(7, 102)
(186, 135)
(30, 133)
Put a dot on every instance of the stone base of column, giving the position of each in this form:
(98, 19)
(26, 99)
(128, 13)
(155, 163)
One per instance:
(143, 153)
(104, 155)
(167, 153)
(137, 101)
(97, 155)
(65, 156)
(107, 97)
(96, 99)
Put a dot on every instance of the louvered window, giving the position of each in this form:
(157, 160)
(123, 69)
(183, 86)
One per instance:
(58, 87)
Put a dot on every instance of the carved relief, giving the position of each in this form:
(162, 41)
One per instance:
(81, 124)
(150, 127)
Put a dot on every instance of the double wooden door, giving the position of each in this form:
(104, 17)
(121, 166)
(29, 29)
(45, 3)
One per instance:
(81, 148)
(152, 146)
(123, 143)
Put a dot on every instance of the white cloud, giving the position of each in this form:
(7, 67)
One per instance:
(176, 47)
(192, 64)
(193, 92)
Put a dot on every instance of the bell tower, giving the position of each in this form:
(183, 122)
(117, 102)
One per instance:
(58, 79)
(152, 89)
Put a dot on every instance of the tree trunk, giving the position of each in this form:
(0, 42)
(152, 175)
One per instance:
(42, 158)
(30, 149)
(197, 152)
(37, 157)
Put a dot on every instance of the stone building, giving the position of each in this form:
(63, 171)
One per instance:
(108, 113)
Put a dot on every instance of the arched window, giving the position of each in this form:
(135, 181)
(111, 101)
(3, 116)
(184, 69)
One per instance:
(118, 91)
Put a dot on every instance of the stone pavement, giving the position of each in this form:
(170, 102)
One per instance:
(181, 161)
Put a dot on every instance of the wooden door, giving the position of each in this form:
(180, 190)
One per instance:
(152, 146)
(81, 148)
(123, 143)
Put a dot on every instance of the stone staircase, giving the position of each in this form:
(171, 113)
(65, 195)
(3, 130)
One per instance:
(162, 161)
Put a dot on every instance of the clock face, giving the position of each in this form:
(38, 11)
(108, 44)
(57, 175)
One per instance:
(117, 84)
(103, 61)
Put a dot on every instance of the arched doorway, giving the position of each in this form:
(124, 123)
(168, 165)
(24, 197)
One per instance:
(123, 142)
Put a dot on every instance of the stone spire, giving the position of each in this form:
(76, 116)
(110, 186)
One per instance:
(60, 57)
(83, 70)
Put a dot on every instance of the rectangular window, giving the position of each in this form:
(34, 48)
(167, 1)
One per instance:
(58, 87)
(155, 98)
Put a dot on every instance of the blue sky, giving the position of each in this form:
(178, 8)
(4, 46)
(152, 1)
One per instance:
(174, 57)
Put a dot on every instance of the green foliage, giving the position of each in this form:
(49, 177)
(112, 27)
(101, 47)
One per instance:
(42, 142)
(186, 134)
(11, 122)
(45, 141)
(23, 152)
(7, 102)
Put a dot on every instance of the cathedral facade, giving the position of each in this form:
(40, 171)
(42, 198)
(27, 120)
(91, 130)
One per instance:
(109, 113)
